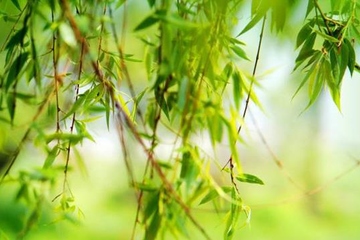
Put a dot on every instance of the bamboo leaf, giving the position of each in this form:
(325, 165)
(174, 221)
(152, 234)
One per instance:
(147, 22)
(352, 56)
(17, 38)
(237, 87)
(304, 33)
(15, 69)
(151, 2)
(16, 4)
(343, 60)
(310, 7)
(248, 178)
(52, 154)
(326, 36)
(306, 50)
(213, 193)
(334, 88)
(11, 106)
(252, 23)
(233, 216)
(240, 52)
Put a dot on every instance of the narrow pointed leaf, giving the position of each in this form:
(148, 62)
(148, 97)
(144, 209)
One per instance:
(248, 178)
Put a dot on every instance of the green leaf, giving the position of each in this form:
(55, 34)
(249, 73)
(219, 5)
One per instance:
(15, 69)
(248, 178)
(304, 33)
(240, 52)
(72, 138)
(316, 82)
(315, 59)
(16, 4)
(189, 169)
(52, 154)
(151, 3)
(145, 187)
(310, 7)
(213, 193)
(176, 20)
(147, 22)
(11, 105)
(344, 60)
(233, 215)
(252, 23)
(17, 38)
(237, 87)
(352, 56)
(334, 88)
(326, 36)
(306, 50)
(119, 3)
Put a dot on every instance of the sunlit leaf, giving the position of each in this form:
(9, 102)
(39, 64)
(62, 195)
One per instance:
(52, 154)
(248, 178)
(326, 36)
(252, 23)
(237, 88)
(334, 88)
(67, 34)
(240, 52)
(213, 194)
(233, 216)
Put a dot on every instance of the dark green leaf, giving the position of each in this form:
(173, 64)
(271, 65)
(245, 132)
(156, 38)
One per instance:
(154, 227)
(352, 56)
(252, 23)
(333, 87)
(17, 38)
(147, 22)
(310, 7)
(15, 69)
(248, 178)
(16, 4)
(151, 3)
(343, 60)
(11, 105)
(306, 50)
(304, 33)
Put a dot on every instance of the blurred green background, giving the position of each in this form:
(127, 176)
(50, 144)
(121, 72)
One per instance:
(319, 150)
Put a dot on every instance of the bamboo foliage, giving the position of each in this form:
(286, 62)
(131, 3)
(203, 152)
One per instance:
(67, 62)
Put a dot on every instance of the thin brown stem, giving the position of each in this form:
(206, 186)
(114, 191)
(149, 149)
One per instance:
(122, 114)
(247, 102)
